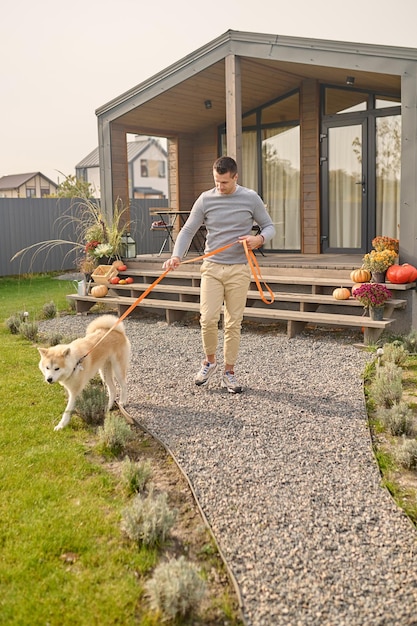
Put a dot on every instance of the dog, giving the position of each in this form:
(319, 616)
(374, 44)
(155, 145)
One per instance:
(65, 363)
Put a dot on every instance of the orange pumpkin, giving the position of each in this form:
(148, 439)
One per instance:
(99, 291)
(341, 293)
(355, 287)
(361, 275)
(401, 274)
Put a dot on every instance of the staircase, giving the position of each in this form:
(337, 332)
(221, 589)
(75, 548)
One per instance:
(303, 295)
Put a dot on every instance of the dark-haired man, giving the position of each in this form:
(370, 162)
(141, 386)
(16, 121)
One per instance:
(228, 212)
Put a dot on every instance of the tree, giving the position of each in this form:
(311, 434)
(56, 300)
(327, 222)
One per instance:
(73, 187)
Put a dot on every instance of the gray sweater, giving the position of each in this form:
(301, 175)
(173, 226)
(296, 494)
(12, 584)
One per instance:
(226, 218)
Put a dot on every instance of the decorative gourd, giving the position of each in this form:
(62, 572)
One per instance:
(118, 263)
(355, 287)
(99, 291)
(341, 293)
(400, 274)
(361, 275)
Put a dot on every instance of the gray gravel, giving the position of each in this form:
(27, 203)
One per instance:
(284, 472)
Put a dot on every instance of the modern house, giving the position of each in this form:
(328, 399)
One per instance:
(32, 185)
(325, 131)
(147, 169)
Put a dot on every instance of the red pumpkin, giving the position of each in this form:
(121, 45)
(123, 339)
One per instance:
(400, 274)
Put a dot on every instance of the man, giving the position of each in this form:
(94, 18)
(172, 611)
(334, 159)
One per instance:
(228, 212)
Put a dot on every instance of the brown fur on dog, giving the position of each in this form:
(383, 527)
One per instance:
(61, 364)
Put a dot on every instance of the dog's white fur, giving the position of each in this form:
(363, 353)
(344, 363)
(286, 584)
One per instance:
(60, 364)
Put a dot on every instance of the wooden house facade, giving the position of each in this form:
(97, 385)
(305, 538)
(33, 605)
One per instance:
(325, 131)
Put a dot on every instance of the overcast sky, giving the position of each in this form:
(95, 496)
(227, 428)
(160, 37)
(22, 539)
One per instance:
(60, 61)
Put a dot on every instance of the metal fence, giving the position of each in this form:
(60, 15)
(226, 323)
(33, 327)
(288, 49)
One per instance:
(26, 222)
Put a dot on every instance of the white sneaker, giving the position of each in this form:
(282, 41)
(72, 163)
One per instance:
(205, 373)
(229, 381)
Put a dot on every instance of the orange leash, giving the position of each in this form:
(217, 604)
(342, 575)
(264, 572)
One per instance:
(253, 264)
(256, 273)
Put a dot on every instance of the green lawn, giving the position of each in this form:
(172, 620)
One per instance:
(63, 559)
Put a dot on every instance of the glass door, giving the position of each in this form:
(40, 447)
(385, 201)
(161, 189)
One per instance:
(344, 186)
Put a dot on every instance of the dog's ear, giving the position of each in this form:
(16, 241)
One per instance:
(66, 351)
(42, 351)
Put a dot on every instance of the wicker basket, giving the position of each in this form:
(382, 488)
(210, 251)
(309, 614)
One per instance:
(103, 273)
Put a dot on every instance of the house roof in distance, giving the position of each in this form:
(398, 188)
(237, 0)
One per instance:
(134, 149)
(14, 181)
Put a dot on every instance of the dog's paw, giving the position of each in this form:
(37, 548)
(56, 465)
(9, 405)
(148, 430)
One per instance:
(58, 427)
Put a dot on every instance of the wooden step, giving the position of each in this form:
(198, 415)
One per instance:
(296, 320)
(177, 291)
(321, 280)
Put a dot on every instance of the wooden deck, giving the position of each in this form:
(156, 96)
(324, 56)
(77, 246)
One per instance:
(302, 287)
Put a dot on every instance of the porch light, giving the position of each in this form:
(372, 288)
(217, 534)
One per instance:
(128, 246)
(208, 104)
(350, 80)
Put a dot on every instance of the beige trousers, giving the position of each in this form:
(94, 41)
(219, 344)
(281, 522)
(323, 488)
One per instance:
(220, 284)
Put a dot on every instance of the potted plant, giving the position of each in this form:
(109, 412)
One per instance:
(373, 297)
(386, 243)
(377, 262)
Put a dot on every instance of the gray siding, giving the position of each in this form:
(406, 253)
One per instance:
(24, 222)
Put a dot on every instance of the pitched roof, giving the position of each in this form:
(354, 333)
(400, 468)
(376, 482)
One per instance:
(14, 181)
(134, 149)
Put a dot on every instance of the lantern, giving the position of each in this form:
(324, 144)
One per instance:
(128, 246)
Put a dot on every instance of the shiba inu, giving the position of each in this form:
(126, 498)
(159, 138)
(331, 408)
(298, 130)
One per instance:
(73, 365)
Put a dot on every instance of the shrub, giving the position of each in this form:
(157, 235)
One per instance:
(148, 520)
(13, 324)
(410, 341)
(14, 321)
(91, 404)
(386, 388)
(29, 330)
(407, 454)
(395, 352)
(397, 419)
(49, 310)
(114, 434)
(175, 589)
(135, 475)
(55, 338)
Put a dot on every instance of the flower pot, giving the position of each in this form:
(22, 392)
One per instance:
(378, 277)
(376, 313)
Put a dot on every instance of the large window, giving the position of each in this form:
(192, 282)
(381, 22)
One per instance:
(271, 165)
(388, 175)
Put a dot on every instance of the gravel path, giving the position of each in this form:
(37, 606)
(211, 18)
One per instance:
(284, 473)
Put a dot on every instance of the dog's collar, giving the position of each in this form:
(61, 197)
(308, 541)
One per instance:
(78, 365)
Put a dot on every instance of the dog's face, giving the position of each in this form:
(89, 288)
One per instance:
(55, 363)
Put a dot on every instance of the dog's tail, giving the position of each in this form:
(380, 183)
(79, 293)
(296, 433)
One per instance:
(104, 322)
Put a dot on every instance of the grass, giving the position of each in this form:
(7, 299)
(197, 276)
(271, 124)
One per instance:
(30, 293)
(64, 560)
(59, 513)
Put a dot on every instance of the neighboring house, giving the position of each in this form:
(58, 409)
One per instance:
(146, 164)
(33, 185)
